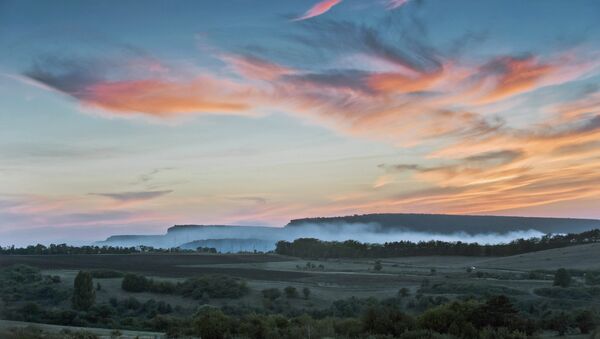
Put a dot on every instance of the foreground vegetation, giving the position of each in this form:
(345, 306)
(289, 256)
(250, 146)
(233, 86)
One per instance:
(432, 311)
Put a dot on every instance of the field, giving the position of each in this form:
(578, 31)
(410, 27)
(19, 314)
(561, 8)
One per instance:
(338, 278)
(334, 279)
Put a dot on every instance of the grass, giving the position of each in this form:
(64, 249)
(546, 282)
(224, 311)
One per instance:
(7, 325)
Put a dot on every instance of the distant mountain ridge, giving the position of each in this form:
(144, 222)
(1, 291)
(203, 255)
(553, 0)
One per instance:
(453, 223)
(366, 228)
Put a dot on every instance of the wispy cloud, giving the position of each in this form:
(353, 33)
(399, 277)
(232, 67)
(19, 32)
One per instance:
(133, 196)
(91, 83)
(393, 4)
(318, 9)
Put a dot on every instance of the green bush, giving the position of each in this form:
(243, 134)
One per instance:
(291, 292)
(135, 283)
(215, 286)
(562, 278)
(211, 323)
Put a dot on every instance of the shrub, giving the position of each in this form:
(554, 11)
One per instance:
(387, 321)
(290, 292)
(215, 286)
(211, 323)
(403, 292)
(306, 292)
(592, 278)
(162, 287)
(562, 278)
(135, 283)
(586, 321)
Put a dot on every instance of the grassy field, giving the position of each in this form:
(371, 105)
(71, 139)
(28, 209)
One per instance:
(338, 278)
(6, 326)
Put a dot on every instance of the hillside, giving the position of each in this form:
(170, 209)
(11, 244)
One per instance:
(572, 257)
(445, 223)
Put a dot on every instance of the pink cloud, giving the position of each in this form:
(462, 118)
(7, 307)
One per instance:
(393, 4)
(318, 9)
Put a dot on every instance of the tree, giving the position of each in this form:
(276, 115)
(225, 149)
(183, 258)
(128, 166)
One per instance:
(306, 292)
(290, 292)
(562, 278)
(84, 294)
(211, 323)
(377, 266)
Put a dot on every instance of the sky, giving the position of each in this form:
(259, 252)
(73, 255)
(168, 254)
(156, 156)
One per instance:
(126, 117)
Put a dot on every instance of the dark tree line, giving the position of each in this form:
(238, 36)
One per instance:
(315, 248)
(40, 249)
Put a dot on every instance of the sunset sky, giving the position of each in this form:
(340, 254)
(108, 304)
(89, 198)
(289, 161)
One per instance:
(126, 117)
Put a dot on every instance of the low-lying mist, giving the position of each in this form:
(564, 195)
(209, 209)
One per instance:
(372, 233)
(251, 238)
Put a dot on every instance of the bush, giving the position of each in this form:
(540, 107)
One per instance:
(306, 292)
(586, 321)
(215, 286)
(291, 292)
(162, 287)
(135, 283)
(211, 323)
(562, 278)
(387, 321)
(592, 278)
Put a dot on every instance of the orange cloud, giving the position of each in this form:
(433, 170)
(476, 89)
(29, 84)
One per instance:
(164, 98)
(255, 68)
(318, 9)
(397, 82)
(513, 76)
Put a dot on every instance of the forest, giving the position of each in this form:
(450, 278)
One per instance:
(315, 248)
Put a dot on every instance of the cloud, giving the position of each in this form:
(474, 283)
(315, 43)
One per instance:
(88, 81)
(318, 9)
(252, 199)
(384, 82)
(513, 76)
(393, 4)
(133, 196)
(161, 97)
